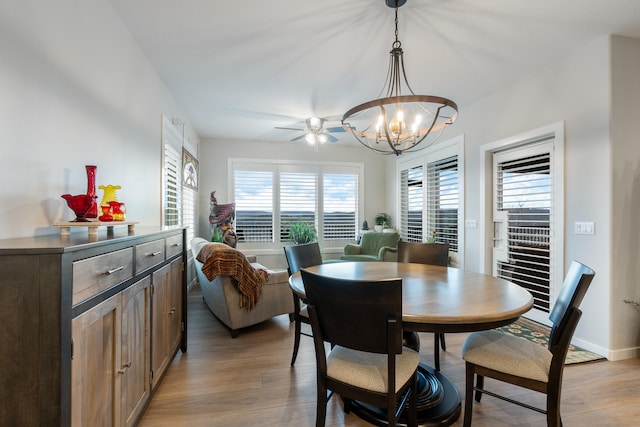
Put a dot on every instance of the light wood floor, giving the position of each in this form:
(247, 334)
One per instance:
(248, 381)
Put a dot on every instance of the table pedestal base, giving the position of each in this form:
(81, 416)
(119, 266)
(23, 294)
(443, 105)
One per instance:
(438, 402)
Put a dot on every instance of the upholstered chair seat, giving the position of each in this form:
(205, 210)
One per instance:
(509, 354)
(368, 370)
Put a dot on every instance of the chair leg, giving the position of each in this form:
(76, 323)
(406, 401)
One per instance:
(321, 406)
(443, 344)
(468, 395)
(346, 404)
(296, 339)
(436, 352)
(553, 409)
(479, 384)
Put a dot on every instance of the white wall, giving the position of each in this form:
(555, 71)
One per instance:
(625, 194)
(76, 90)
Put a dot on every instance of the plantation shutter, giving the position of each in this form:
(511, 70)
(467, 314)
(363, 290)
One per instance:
(172, 185)
(340, 206)
(411, 204)
(524, 199)
(254, 205)
(443, 201)
(298, 200)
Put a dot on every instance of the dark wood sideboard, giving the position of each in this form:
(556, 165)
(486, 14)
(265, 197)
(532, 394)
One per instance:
(89, 325)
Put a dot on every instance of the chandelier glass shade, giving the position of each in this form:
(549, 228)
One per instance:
(397, 122)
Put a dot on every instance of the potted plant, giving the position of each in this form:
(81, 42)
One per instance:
(383, 220)
(301, 232)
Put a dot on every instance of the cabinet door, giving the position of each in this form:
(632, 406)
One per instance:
(135, 350)
(95, 384)
(174, 300)
(159, 315)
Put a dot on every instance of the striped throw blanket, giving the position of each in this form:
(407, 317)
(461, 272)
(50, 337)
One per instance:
(221, 259)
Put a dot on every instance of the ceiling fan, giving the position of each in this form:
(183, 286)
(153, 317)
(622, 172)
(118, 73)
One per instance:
(315, 133)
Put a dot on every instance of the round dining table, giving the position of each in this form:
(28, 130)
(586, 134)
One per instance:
(434, 299)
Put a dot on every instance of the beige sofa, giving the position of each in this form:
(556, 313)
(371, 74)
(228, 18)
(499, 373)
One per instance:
(223, 299)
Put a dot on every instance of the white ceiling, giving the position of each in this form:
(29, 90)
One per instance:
(240, 68)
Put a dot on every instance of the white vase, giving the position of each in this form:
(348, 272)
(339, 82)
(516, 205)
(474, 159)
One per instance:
(377, 228)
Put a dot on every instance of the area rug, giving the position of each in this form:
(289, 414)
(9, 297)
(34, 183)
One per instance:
(539, 333)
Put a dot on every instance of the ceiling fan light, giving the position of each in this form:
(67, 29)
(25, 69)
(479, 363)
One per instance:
(315, 123)
(322, 138)
(310, 138)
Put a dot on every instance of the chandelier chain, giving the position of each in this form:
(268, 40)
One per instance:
(396, 21)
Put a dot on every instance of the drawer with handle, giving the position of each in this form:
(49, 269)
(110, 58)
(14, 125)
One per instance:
(149, 254)
(174, 245)
(96, 274)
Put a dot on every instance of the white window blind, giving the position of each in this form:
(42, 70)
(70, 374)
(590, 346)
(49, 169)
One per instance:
(189, 198)
(270, 194)
(253, 195)
(340, 206)
(298, 200)
(172, 185)
(524, 193)
(411, 204)
(443, 201)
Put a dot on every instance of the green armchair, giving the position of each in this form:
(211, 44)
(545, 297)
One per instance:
(373, 246)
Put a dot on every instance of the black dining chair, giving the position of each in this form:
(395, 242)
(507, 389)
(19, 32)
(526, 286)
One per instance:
(362, 320)
(433, 254)
(301, 256)
(524, 363)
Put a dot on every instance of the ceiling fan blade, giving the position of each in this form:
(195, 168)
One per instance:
(331, 138)
(299, 137)
(298, 129)
(336, 129)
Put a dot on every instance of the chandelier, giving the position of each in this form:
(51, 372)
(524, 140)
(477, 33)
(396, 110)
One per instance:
(396, 123)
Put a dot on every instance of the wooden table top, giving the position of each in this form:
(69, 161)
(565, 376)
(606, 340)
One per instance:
(438, 299)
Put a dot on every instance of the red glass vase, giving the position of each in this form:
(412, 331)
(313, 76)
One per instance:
(79, 204)
(91, 191)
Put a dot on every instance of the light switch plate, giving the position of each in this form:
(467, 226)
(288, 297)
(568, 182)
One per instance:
(584, 227)
(471, 223)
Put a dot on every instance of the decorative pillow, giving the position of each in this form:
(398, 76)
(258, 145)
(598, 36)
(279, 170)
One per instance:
(221, 259)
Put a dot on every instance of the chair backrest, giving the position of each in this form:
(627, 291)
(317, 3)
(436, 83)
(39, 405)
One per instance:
(372, 242)
(356, 314)
(302, 256)
(574, 288)
(424, 253)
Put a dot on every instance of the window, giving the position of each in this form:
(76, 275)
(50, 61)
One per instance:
(411, 203)
(189, 198)
(171, 174)
(430, 195)
(524, 216)
(443, 201)
(340, 206)
(524, 230)
(253, 195)
(268, 197)
(298, 200)
(179, 204)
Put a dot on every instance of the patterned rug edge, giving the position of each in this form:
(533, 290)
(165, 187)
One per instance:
(539, 333)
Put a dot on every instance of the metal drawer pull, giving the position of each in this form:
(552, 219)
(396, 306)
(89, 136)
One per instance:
(172, 311)
(155, 253)
(177, 244)
(114, 270)
(124, 368)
